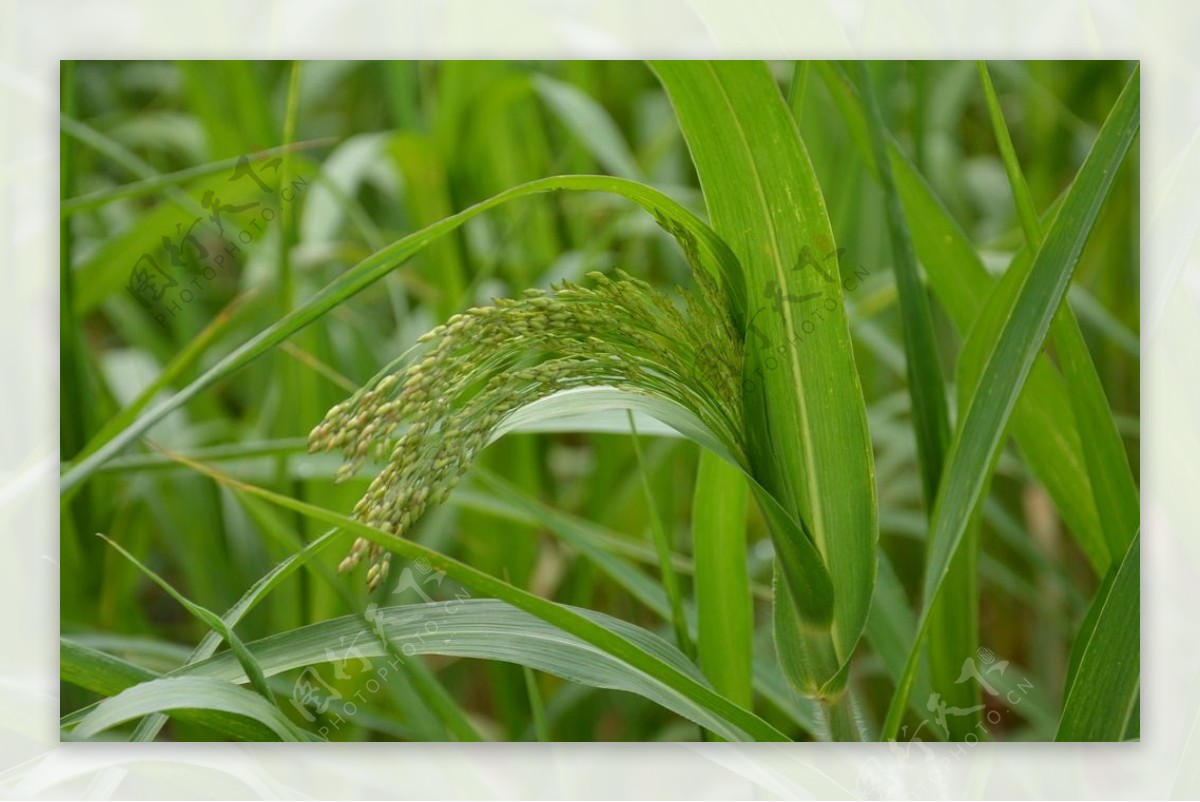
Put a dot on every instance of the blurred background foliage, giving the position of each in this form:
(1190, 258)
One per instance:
(385, 148)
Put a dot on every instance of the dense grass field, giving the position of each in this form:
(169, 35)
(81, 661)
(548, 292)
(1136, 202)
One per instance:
(600, 401)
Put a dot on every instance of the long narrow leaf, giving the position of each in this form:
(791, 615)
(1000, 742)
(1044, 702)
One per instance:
(954, 618)
(981, 431)
(730, 719)
(926, 385)
(806, 417)
(1113, 487)
(206, 617)
(1026, 210)
(662, 545)
(694, 236)
(187, 693)
(103, 673)
(150, 727)
(485, 629)
(1048, 438)
(1105, 673)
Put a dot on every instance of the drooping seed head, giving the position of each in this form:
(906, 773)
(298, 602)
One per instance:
(488, 362)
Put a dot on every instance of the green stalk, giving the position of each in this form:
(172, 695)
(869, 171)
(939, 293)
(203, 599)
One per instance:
(662, 545)
(537, 708)
(725, 610)
(843, 719)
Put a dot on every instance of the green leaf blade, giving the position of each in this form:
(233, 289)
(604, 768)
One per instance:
(961, 282)
(187, 693)
(730, 719)
(808, 436)
(1113, 487)
(925, 382)
(981, 432)
(1104, 678)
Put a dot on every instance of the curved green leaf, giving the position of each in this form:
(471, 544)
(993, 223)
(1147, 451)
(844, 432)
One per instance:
(807, 435)
(206, 617)
(738, 719)
(807, 570)
(151, 725)
(187, 693)
(698, 241)
(107, 674)
(484, 629)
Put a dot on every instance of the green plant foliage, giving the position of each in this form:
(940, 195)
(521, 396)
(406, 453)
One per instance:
(427, 401)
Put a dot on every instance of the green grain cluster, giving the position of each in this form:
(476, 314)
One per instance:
(480, 366)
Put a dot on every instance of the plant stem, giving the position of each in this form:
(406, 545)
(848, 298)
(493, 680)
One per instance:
(842, 718)
(663, 545)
